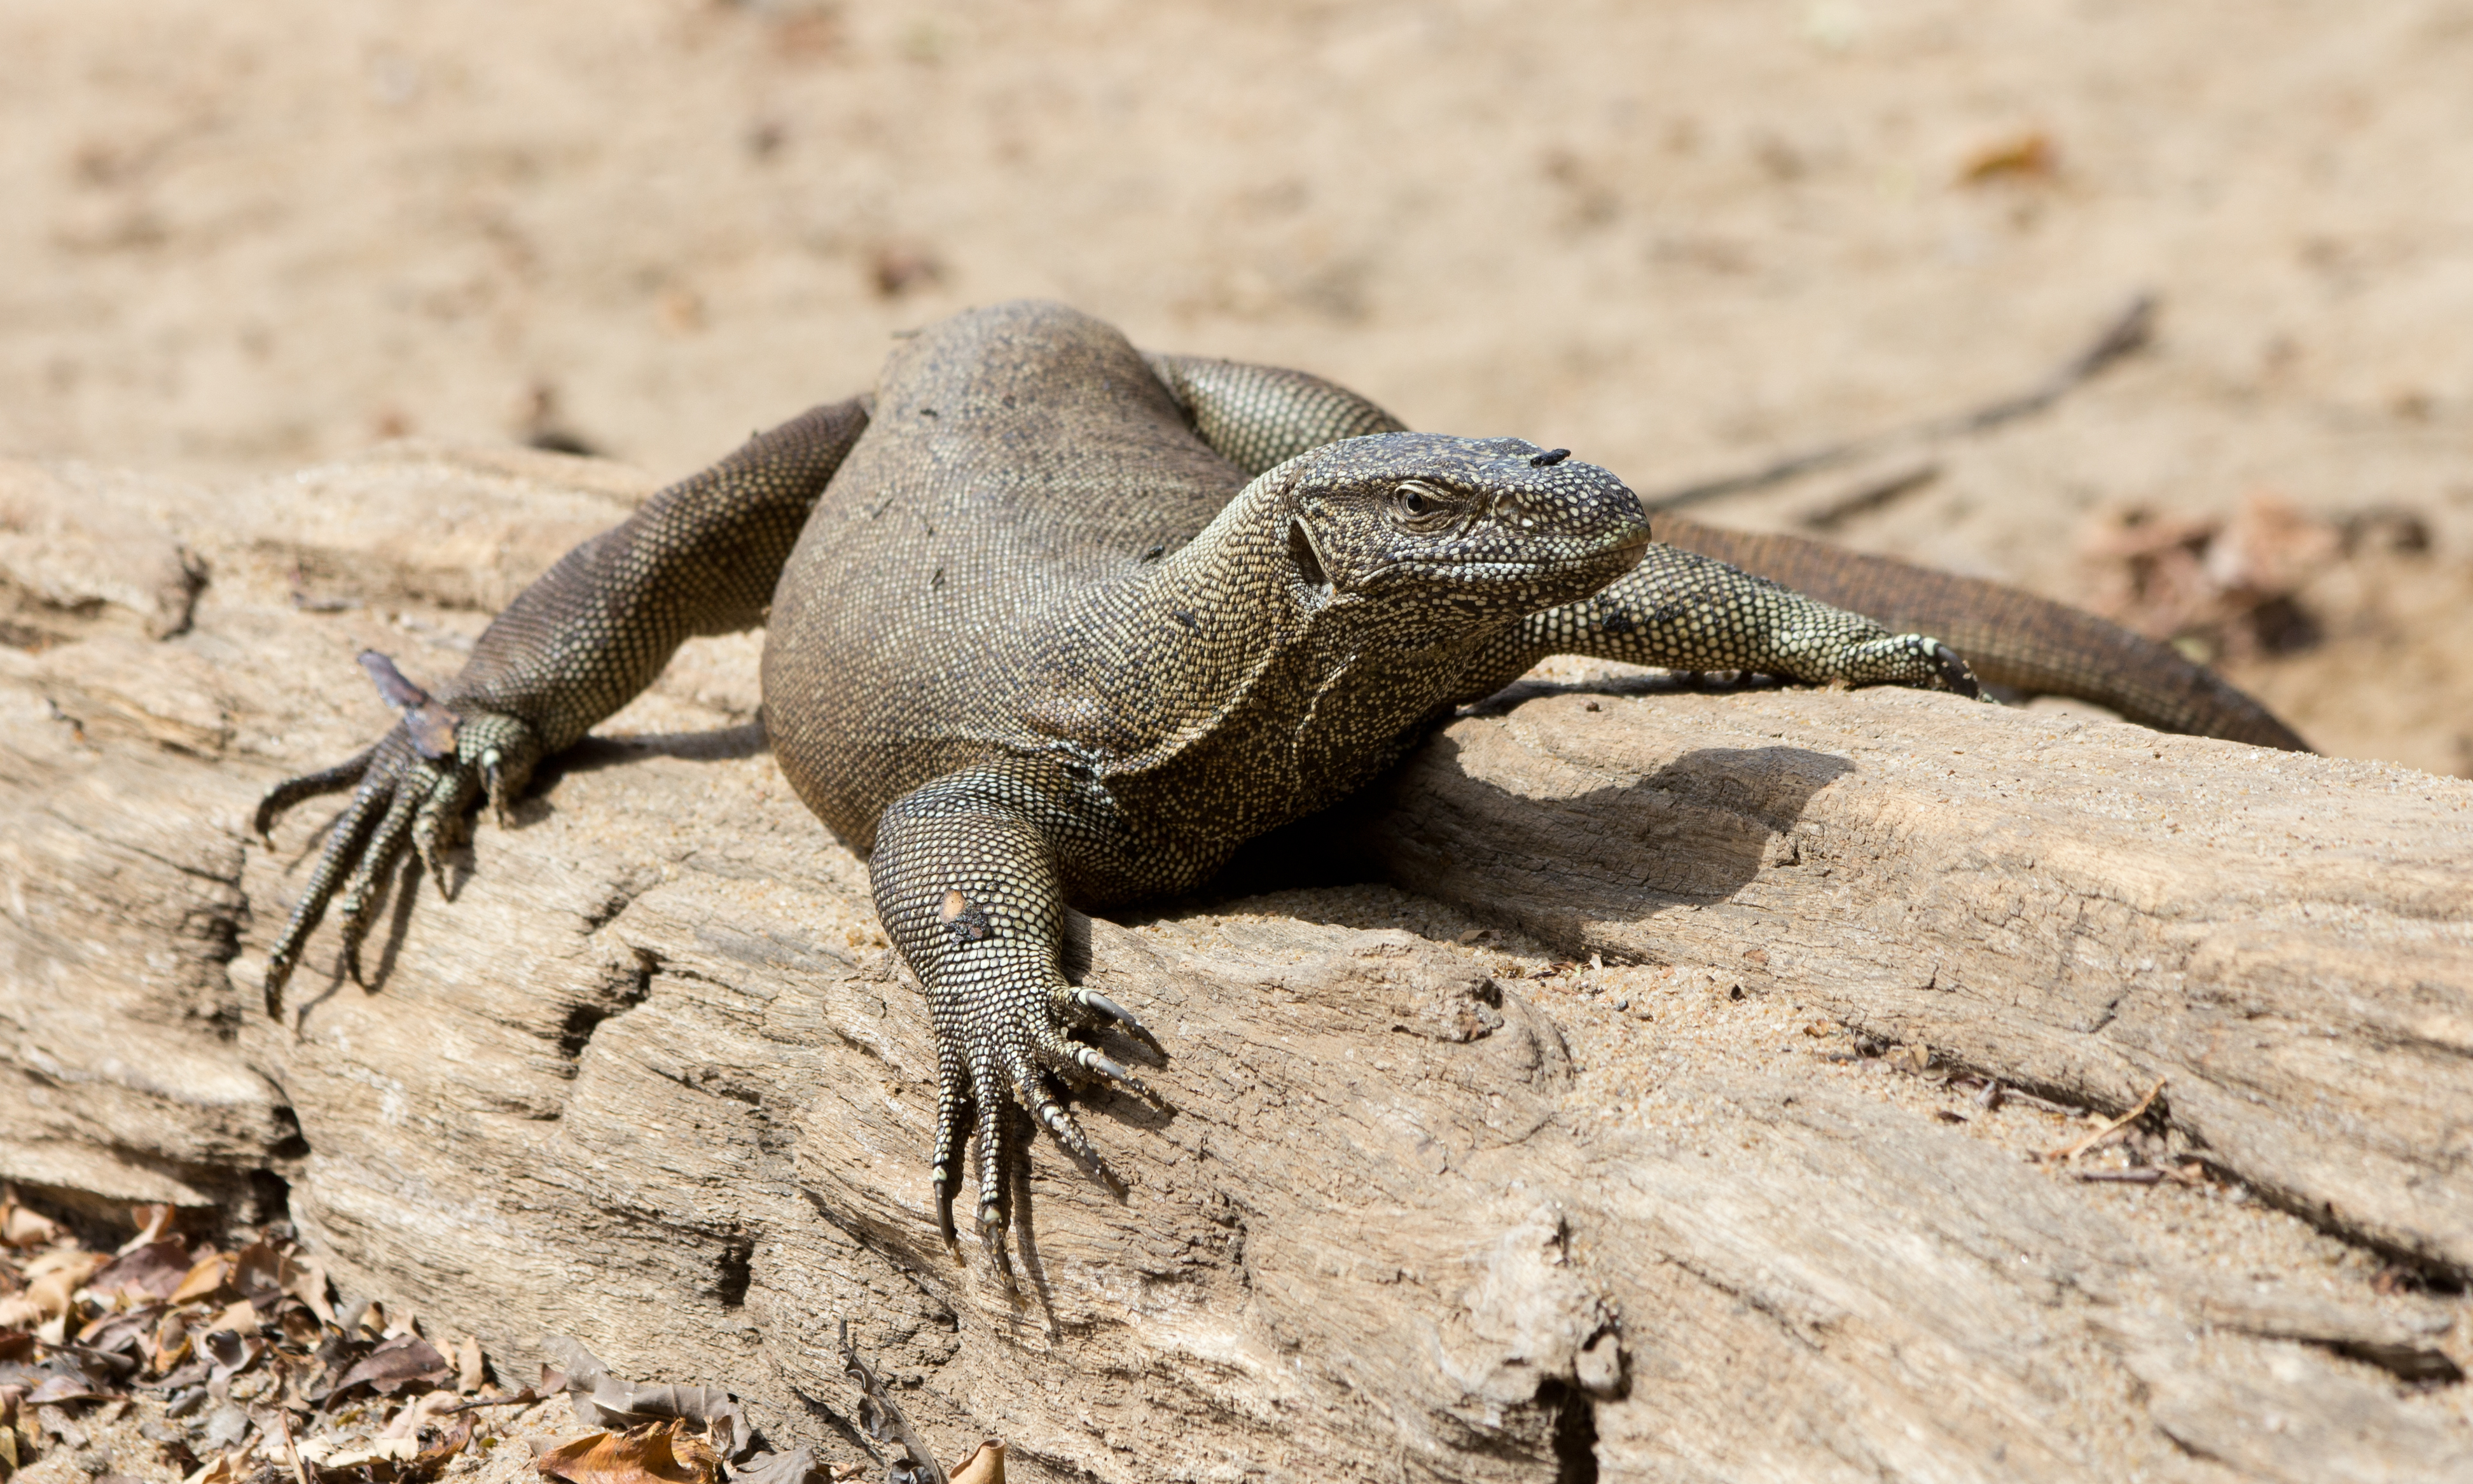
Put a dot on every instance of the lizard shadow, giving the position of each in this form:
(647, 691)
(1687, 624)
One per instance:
(718, 743)
(397, 897)
(1694, 832)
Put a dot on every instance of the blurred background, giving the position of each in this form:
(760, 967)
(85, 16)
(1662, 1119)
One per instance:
(1679, 238)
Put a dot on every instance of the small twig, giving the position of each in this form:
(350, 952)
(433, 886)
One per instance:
(291, 1450)
(2073, 1151)
(1870, 495)
(2146, 1175)
(921, 1459)
(524, 1397)
(2128, 331)
(2009, 1094)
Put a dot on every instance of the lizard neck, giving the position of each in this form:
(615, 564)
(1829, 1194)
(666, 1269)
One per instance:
(1205, 694)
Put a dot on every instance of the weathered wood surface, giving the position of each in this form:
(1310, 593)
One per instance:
(2287, 942)
(652, 1079)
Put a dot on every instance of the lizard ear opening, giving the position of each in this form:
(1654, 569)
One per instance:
(1307, 562)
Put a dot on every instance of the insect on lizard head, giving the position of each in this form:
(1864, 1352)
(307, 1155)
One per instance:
(1472, 528)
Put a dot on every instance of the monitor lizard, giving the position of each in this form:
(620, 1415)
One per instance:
(1053, 624)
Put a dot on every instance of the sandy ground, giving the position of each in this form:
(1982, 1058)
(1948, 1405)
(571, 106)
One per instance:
(1679, 238)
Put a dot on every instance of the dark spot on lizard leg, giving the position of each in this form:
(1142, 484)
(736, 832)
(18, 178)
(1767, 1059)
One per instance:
(966, 919)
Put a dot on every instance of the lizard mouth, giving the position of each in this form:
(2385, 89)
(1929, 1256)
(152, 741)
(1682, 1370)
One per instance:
(1614, 560)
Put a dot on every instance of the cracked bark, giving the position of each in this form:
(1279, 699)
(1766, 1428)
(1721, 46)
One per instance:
(650, 1079)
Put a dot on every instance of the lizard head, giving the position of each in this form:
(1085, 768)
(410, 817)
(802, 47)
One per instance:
(1458, 532)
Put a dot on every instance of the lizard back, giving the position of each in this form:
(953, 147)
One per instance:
(1016, 458)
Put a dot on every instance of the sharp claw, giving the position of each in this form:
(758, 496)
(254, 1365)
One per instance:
(1092, 999)
(992, 1226)
(493, 776)
(1954, 670)
(278, 972)
(1104, 1064)
(1092, 1060)
(945, 1217)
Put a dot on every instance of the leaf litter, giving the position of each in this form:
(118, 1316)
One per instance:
(236, 1361)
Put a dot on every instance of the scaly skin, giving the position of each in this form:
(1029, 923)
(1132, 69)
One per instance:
(2011, 638)
(1061, 628)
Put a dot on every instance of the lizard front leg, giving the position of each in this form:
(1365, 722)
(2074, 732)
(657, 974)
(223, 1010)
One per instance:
(1682, 610)
(701, 557)
(967, 878)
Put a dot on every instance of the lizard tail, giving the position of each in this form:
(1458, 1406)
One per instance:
(2010, 638)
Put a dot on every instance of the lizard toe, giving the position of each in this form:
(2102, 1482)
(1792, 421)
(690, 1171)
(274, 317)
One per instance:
(1955, 674)
(994, 1155)
(309, 785)
(502, 751)
(347, 836)
(953, 1104)
(369, 879)
(1916, 660)
(438, 826)
(1095, 1003)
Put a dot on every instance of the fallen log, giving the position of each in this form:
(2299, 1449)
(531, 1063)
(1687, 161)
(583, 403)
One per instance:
(1435, 1202)
(2080, 907)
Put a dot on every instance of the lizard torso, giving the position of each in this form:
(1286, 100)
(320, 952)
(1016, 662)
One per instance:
(1031, 554)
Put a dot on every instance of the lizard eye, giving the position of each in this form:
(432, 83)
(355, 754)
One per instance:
(1420, 507)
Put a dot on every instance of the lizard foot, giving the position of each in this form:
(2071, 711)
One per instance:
(1915, 659)
(1019, 1055)
(413, 788)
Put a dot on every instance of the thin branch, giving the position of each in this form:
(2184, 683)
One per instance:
(1871, 495)
(2073, 1151)
(883, 1416)
(2128, 332)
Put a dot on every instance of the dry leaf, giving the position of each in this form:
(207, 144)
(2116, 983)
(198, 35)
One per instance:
(241, 1319)
(51, 1292)
(205, 1276)
(469, 1368)
(156, 1270)
(64, 1260)
(432, 1461)
(256, 1266)
(326, 1454)
(222, 1468)
(602, 1399)
(304, 1280)
(170, 1342)
(642, 1455)
(122, 1333)
(424, 1409)
(230, 1351)
(400, 1362)
(984, 1467)
(153, 1224)
(799, 1465)
(23, 1228)
(65, 1386)
(2026, 155)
